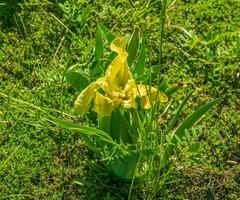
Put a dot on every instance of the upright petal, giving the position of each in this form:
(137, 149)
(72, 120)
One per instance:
(119, 45)
(118, 72)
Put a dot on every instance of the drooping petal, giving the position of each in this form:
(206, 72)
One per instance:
(148, 95)
(83, 101)
(103, 105)
(146, 102)
(163, 98)
(130, 95)
(102, 83)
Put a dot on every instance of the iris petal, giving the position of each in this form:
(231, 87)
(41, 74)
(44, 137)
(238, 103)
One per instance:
(118, 72)
(83, 102)
(148, 95)
(163, 98)
(119, 45)
(103, 105)
(118, 85)
(130, 95)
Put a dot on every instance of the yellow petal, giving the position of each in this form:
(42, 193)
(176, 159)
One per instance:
(118, 72)
(83, 101)
(103, 105)
(119, 45)
(117, 75)
(145, 93)
(146, 102)
(130, 95)
(102, 83)
(163, 98)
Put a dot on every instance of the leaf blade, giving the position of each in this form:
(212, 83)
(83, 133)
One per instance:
(187, 124)
(133, 47)
(175, 118)
(77, 80)
(99, 48)
(141, 62)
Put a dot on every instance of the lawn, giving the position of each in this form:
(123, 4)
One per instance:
(42, 41)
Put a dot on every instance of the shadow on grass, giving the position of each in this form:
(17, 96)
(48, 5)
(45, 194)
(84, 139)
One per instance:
(8, 9)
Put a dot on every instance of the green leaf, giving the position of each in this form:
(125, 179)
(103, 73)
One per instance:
(141, 62)
(120, 128)
(77, 80)
(133, 47)
(97, 62)
(104, 123)
(99, 48)
(124, 163)
(194, 117)
(110, 58)
(123, 166)
(108, 34)
(176, 117)
(187, 124)
(84, 130)
(163, 86)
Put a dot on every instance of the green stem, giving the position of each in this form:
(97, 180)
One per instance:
(104, 123)
(162, 23)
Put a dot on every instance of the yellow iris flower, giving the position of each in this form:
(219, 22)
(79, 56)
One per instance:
(118, 86)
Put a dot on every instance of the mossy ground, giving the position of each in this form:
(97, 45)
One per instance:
(38, 40)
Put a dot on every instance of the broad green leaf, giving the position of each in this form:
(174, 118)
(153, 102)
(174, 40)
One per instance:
(99, 48)
(120, 129)
(77, 80)
(194, 117)
(187, 124)
(108, 34)
(96, 69)
(104, 123)
(84, 130)
(141, 62)
(176, 117)
(110, 58)
(133, 46)
(124, 163)
(163, 86)
(97, 64)
(101, 138)
(123, 166)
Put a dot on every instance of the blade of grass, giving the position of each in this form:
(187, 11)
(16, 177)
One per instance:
(9, 157)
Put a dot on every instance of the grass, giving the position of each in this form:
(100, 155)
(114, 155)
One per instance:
(39, 41)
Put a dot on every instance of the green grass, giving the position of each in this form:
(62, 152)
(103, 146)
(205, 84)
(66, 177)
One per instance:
(39, 41)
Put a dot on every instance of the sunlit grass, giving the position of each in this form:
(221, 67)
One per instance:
(44, 42)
